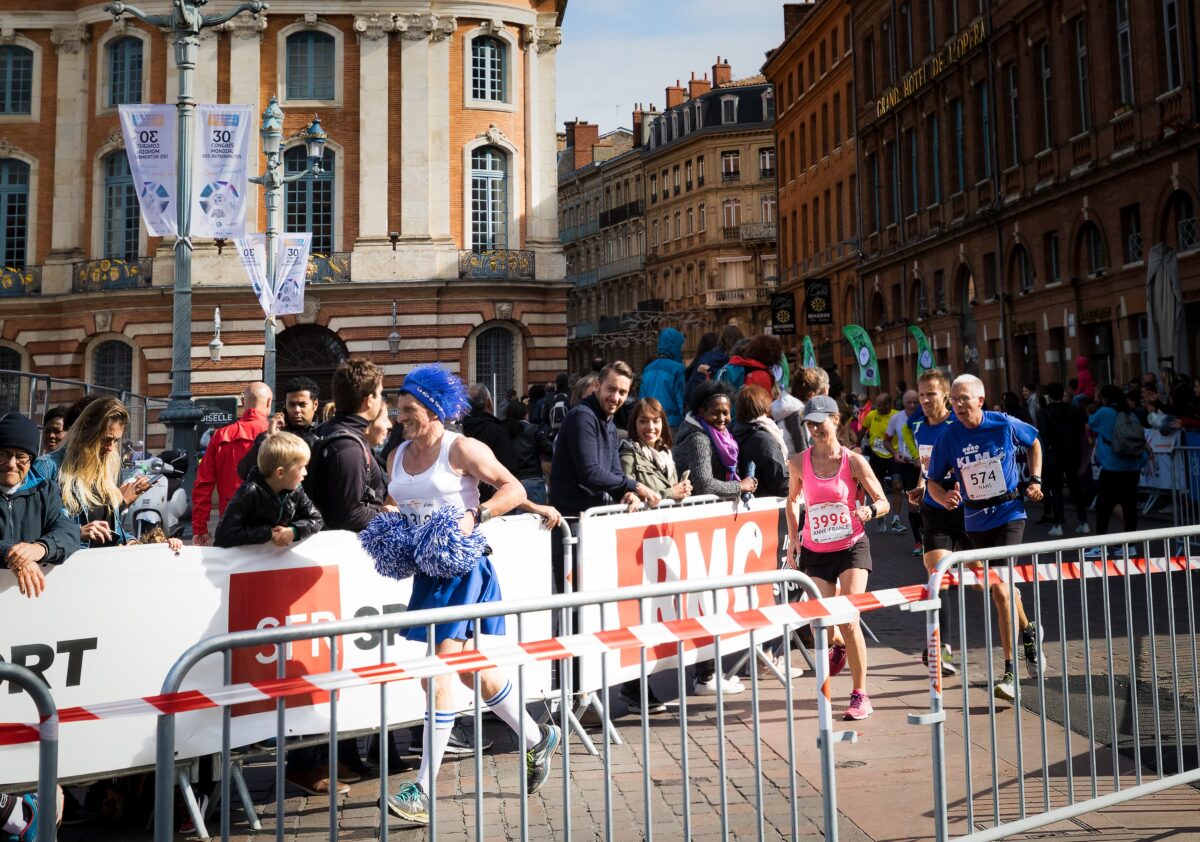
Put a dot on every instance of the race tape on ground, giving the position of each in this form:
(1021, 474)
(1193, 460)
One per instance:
(472, 660)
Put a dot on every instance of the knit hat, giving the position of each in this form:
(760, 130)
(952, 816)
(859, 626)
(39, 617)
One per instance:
(18, 433)
(439, 390)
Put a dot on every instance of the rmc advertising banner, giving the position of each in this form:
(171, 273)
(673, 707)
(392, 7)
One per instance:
(674, 544)
(113, 621)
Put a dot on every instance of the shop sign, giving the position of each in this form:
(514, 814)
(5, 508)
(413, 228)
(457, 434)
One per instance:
(818, 301)
(932, 67)
(1098, 314)
(1021, 328)
(783, 314)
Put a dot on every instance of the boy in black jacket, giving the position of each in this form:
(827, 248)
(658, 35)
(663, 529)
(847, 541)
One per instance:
(271, 504)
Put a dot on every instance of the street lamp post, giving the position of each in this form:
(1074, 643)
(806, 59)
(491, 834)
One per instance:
(273, 180)
(184, 24)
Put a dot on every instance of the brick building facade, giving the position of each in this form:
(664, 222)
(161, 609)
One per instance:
(440, 194)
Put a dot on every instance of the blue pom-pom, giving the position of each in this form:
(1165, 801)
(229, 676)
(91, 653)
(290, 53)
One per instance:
(443, 552)
(391, 545)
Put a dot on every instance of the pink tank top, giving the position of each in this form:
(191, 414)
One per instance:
(829, 521)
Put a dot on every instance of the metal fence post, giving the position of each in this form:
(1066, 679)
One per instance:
(47, 789)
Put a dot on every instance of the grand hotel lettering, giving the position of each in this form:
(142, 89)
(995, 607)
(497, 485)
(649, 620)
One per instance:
(932, 67)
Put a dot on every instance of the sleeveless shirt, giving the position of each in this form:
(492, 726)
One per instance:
(418, 495)
(829, 521)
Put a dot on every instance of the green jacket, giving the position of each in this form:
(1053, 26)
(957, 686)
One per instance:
(640, 467)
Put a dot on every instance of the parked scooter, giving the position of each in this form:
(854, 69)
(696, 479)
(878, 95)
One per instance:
(164, 505)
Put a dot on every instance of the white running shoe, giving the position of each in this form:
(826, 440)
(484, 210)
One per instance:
(1083, 529)
(728, 686)
(1056, 530)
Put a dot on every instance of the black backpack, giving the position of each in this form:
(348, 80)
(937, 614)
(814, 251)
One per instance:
(554, 413)
(1128, 436)
(320, 446)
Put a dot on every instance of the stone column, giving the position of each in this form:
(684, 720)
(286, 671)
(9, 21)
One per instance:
(373, 127)
(70, 201)
(414, 131)
(437, 94)
(541, 155)
(245, 72)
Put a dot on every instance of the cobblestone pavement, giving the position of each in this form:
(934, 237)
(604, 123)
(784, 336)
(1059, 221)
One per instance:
(884, 781)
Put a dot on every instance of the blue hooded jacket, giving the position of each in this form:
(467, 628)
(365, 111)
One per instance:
(663, 378)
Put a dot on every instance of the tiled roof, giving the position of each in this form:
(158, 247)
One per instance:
(757, 79)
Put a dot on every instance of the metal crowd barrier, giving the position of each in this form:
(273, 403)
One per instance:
(1094, 642)
(47, 788)
(1185, 486)
(280, 637)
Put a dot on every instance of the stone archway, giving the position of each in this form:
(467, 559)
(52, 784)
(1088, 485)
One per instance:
(309, 351)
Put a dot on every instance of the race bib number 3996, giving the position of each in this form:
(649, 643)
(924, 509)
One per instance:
(829, 522)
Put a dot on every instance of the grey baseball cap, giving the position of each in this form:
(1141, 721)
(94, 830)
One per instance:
(820, 407)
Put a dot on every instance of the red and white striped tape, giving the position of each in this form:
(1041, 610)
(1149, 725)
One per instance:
(1069, 571)
(473, 660)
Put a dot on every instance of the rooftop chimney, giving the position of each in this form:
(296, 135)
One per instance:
(638, 124)
(793, 14)
(581, 138)
(675, 95)
(698, 87)
(722, 73)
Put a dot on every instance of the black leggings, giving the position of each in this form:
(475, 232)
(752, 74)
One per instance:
(1058, 475)
(1117, 488)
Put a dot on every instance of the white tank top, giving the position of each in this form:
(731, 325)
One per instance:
(417, 496)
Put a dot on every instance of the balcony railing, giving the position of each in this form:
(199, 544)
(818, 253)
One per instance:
(623, 266)
(766, 172)
(1123, 131)
(753, 232)
(734, 297)
(496, 264)
(111, 273)
(583, 279)
(329, 268)
(735, 175)
(731, 232)
(17, 282)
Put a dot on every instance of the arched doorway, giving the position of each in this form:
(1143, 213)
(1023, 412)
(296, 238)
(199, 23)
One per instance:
(495, 362)
(309, 351)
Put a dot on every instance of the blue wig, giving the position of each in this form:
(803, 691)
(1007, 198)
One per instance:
(390, 543)
(442, 551)
(439, 390)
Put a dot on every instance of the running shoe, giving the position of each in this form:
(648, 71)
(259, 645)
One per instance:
(948, 667)
(410, 803)
(187, 827)
(537, 759)
(633, 701)
(780, 664)
(1083, 529)
(837, 660)
(1111, 553)
(29, 804)
(1056, 530)
(860, 706)
(708, 686)
(898, 527)
(1005, 688)
(1031, 643)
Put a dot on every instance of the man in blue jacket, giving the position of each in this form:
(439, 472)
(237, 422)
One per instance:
(663, 378)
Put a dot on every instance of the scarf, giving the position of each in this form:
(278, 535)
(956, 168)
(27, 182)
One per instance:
(725, 447)
(764, 422)
(661, 459)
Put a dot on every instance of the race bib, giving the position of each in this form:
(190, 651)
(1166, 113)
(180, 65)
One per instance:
(415, 512)
(924, 451)
(879, 447)
(829, 522)
(984, 479)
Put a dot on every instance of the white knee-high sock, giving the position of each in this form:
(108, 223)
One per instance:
(505, 705)
(431, 758)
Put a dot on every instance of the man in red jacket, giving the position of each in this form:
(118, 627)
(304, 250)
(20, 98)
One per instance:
(218, 468)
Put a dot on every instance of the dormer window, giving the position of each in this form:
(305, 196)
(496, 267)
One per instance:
(729, 109)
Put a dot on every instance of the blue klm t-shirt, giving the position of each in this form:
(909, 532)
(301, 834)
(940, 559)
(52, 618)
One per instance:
(984, 464)
(926, 435)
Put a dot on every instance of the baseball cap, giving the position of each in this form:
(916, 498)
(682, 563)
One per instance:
(820, 407)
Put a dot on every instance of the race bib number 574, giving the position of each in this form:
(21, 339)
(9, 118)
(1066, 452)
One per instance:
(985, 479)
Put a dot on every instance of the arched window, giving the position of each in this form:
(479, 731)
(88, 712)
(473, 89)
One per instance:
(488, 64)
(310, 65)
(1090, 254)
(124, 71)
(489, 199)
(878, 313)
(1022, 269)
(494, 361)
(14, 212)
(10, 384)
(122, 219)
(308, 202)
(112, 366)
(1181, 222)
(16, 80)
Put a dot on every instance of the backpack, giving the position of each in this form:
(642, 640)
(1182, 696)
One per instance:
(319, 446)
(1128, 436)
(554, 415)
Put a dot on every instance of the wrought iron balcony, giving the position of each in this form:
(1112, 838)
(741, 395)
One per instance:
(329, 268)
(766, 172)
(734, 175)
(757, 231)
(112, 273)
(719, 298)
(15, 282)
(496, 264)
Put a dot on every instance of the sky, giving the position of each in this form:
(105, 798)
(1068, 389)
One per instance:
(616, 53)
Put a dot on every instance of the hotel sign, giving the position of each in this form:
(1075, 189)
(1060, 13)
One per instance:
(933, 67)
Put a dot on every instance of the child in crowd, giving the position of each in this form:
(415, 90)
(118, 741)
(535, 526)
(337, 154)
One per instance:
(271, 504)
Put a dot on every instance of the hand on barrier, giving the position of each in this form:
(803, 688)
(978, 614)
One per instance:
(281, 536)
(97, 531)
(632, 500)
(201, 540)
(652, 498)
(30, 579)
(681, 490)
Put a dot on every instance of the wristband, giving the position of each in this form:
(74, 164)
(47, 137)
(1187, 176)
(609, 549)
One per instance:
(1035, 480)
(874, 511)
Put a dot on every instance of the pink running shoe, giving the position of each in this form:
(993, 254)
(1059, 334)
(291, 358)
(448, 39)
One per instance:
(860, 706)
(837, 660)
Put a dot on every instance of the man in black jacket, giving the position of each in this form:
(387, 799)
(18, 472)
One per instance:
(1060, 427)
(483, 425)
(34, 529)
(300, 403)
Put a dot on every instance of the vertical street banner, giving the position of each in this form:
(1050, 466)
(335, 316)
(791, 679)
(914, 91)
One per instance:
(149, 132)
(783, 314)
(219, 182)
(864, 352)
(818, 301)
(808, 357)
(252, 249)
(924, 352)
(291, 270)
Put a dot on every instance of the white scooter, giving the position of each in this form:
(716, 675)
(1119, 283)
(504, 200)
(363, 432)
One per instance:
(160, 506)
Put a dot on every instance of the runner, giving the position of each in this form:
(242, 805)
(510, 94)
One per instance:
(835, 549)
(435, 468)
(900, 444)
(883, 464)
(980, 451)
(943, 531)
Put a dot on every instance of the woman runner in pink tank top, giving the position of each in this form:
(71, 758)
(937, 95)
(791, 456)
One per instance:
(833, 548)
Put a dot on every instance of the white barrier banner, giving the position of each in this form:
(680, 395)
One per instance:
(112, 622)
(149, 132)
(220, 180)
(674, 544)
(1157, 472)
